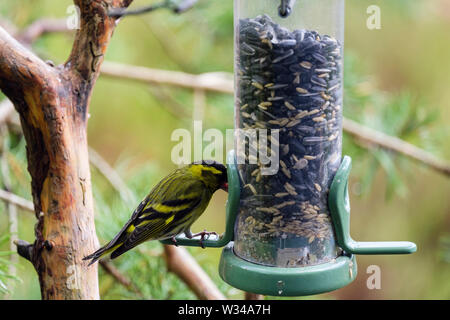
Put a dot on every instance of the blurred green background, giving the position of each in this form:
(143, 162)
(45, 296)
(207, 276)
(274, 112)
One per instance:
(397, 81)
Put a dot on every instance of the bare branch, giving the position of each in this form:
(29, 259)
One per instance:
(207, 81)
(16, 200)
(8, 26)
(110, 174)
(110, 269)
(169, 103)
(120, 12)
(380, 139)
(35, 30)
(178, 8)
(41, 27)
(180, 262)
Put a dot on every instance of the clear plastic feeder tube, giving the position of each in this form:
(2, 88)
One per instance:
(288, 105)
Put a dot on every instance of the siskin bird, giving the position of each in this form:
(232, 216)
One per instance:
(170, 208)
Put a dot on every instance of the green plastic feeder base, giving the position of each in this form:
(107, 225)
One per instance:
(274, 281)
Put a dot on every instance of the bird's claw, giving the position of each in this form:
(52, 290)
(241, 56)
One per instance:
(174, 240)
(202, 236)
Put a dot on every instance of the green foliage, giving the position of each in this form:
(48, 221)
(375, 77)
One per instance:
(445, 248)
(400, 115)
(5, 277)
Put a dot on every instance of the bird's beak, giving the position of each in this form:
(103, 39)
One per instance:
(224, 187)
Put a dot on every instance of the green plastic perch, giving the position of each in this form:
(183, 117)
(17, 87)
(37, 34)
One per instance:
(339, 204)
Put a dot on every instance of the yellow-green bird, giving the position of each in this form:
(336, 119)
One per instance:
(170, 208)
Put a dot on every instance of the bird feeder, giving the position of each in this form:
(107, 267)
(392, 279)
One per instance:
(288, 213)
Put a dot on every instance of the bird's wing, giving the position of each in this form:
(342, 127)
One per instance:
(171, 189)
(157, 226)
(139, 235)
(166, 211)
(159, 220)
(174, 196)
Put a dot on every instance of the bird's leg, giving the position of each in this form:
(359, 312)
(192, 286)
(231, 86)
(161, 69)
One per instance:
(203, 234)
(174, 240)
(188, 233)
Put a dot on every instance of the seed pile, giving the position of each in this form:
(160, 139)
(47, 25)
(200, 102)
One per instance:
(289, 81)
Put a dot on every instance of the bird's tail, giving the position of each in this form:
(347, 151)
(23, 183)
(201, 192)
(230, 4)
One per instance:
(102, 252)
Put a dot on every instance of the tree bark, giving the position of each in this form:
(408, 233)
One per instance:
(53, 104)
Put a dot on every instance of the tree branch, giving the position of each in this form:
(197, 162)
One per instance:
(180, 262)
(380, 139)
(217, 82)
(8, 26)
(110, 269)
(16, 200)
(92, 39)
(168, 103)
(178, 8)
(20, 69)
(41, 27)
(110, 174)
(35, 30)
